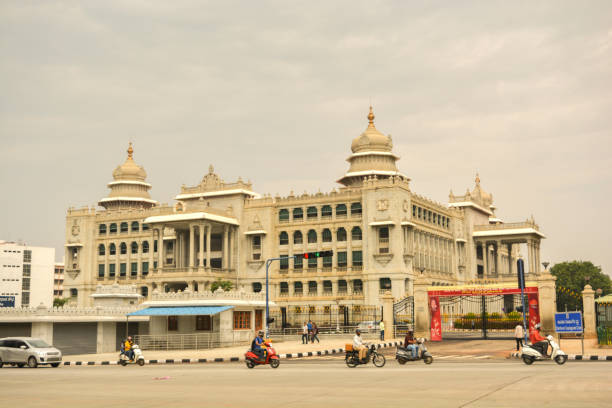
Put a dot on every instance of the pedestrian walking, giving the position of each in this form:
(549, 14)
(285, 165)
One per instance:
(305, 333)
(519, 333)
(382, 330)
(315, 332)
(309, 325)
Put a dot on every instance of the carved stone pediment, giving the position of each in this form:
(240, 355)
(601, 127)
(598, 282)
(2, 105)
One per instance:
(383, 259)
(255, 265)
(408, 257)
(73, 273)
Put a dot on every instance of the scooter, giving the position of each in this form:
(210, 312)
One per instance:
(529, 354)
(138, 357)
(251, 359)
(403, 355)
(352, 356)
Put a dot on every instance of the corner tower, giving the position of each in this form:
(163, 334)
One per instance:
(372, 156)
(128, 188)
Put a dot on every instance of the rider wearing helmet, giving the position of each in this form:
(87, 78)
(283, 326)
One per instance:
(538, 342)
(256, 345)
(127, 347)
(358, 345)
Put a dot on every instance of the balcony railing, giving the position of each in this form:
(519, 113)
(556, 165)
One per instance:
(357, 267)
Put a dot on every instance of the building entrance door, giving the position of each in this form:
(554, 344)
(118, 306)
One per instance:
(258, 320)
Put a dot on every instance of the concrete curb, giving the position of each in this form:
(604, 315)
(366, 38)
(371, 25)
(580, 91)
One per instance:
(577, 357)
(224, 359)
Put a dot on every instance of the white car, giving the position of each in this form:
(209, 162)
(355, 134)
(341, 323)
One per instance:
(19, 351)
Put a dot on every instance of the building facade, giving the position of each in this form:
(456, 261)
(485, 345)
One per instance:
(382, 234)
(58, 280)
(26, 275)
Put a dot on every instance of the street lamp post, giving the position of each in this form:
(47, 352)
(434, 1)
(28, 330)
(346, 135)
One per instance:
(268, 263)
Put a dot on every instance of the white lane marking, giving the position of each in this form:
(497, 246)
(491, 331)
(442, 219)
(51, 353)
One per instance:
(486, 356)
(451, 356)
(467, 356)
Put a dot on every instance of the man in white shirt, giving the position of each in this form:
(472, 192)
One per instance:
(305, 333)
(519, 334)
(358, 344)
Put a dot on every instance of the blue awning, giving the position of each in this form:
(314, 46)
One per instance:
(180, 311)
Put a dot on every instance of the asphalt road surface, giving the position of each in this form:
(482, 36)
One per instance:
(312, 383)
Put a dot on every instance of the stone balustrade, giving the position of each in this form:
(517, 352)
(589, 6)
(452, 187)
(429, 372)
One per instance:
(509, 225)
(207, 295)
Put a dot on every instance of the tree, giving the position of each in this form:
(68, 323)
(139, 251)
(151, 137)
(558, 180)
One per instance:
(223, 284)
(60, 302)
(574, 276)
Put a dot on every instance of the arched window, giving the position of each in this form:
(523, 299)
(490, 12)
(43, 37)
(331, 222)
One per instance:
(113, 228)
(101, 249)
(112, 249)
(102, 229)
(144, 291)
(341, 235)
(283, 215)
(341, 210)
(297, 287)
(123, 248)
(284, 287)
(135, 226)
(134, 248)
(124, 227)
(298, 214)
(312, 286)
(326, 211)
(145, 247)
(312, 236)
(74, 292)
(312, 212)
(297, 237)
(326, 235)
(145, 227)
(283, 238)
(355, 208)
(356, 234)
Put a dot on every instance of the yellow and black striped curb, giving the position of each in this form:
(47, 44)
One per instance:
(224, 359)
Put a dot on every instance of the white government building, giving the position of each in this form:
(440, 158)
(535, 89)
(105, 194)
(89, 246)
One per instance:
(382, 234)
(26, 275)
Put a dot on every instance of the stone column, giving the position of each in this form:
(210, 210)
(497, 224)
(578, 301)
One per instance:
(160, 248)
(106, 341)
(530, 254)
(588, 306)
(498, 245)
(387, 303)
(232, 242)
(421, 308)
(208, 235)
(191, 246)
(485, 259)
(43, 330)
(536, 248)
(547, 299)
(224, 263)
(201, 245)
(510, 263)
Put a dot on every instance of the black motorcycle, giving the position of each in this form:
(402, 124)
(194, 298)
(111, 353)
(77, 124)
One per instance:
(352, 357)
(403, 355)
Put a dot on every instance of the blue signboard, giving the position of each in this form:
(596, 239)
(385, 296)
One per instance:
(7, 301)
(568, 322)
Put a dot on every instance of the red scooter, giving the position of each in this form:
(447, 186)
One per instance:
(252, 360)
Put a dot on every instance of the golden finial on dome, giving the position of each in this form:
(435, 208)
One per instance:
(130, 151)
(477, 179)
(371, 117)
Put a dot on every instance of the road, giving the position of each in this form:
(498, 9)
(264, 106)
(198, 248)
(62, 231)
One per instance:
(310, 383)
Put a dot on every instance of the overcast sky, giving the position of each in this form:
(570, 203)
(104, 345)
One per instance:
(276, 91)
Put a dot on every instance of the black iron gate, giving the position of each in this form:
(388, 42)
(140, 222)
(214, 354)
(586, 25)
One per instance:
(403, 315)
(481, 317)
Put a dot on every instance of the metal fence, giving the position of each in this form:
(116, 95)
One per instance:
(198, 341)
(326, 317)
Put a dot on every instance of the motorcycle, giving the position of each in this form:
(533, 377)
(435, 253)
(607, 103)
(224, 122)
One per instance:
(529, 353)
(251, 359)
(138, 357)
(403, 355)
(352, 357)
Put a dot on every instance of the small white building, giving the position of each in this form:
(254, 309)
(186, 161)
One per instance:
(26, 275)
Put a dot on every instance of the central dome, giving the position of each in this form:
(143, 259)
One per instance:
(371, 139)
(130, 170)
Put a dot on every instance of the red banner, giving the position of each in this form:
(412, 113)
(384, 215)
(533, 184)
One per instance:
(436, 323)
(534, 311)
(480, 291)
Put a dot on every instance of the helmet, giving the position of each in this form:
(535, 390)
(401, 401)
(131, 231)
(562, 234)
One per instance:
(358, 331)
(260, 333)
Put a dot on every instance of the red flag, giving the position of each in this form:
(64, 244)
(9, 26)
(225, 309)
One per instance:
(436, 324)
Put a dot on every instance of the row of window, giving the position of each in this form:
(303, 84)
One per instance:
(112, 268)
(430, 216)
(8, 250)
(341, 261)
(123, 227)
(112, 248)
(312, 286)
(312, 212)
(326, 236)
(11, 266)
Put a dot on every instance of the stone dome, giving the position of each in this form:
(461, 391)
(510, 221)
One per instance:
(130, 170)
(371, 139)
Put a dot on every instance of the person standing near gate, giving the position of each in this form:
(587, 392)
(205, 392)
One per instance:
(382, 330)
(519, 333)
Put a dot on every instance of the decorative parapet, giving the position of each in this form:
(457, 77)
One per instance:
(64, 311)
(218, 295)
(305, 198)
(506, 226)
(392, 181)
(116, 289)
(418, 199)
